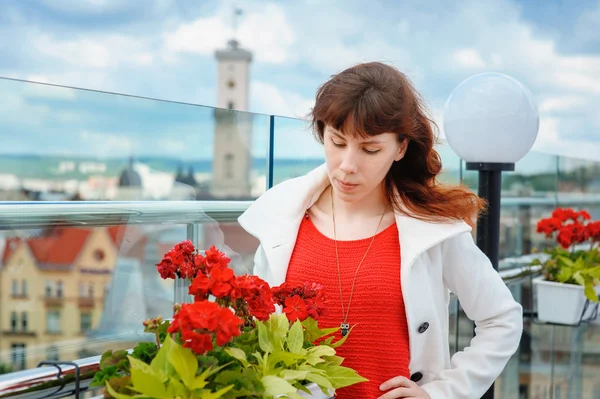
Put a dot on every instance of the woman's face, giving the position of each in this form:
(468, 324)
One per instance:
(357, 166)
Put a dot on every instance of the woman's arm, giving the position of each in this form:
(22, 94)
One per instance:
(498, 318)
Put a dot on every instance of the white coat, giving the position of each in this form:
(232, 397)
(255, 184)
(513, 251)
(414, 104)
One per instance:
(436, 259)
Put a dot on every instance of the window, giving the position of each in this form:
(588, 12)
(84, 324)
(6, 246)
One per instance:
(53, 322)
(24, 321)
(48, 290)
(99, 255)
(81, 290)
(229, 166)
(59, 289)
(230, 105)
(17, 352)
(53, 354)
(91, 290)
(24, 287)
(13, 321)
(15, 288)
(86, 322)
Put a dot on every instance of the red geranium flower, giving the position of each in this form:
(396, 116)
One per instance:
(220, 282)
(199, 343)
(295, 309)
(215, 259)
(200, 287)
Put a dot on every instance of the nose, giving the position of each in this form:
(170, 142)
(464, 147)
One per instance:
(349, 163)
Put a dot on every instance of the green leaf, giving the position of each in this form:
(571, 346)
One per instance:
(117, 395)
(276, 386)
(334, 360)
(590, 292)
(146, 381)
(287, 357)
(341, 376)
(321, 350)
(277, 326)
(160, 363)
(579, 278)
(320, 380)
(290, 375)
(565, 274)
(102, 376)
(594, 272)
(215, 395)
(313, 332)
(176, 389)
(566, 261)
(184, 362)
(580, 263)
(295, 338)
(238, 354)
(200, 381)
(263, 338)
(116, 358)
(145, 351)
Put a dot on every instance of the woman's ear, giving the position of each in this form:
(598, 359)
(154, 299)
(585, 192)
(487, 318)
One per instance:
(402, 147)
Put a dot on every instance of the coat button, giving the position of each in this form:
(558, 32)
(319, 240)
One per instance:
(416, 377)
(423, 327)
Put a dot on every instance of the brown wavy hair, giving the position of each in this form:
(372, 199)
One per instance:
(374, 98)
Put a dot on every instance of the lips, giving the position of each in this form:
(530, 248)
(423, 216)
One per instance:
(347, 184)
(344, 186)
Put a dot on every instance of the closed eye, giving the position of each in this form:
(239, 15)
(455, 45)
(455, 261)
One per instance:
(371, 152)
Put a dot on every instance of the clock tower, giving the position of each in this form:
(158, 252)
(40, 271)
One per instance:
(232, 156)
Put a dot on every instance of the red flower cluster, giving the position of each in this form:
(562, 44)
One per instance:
(253, 294)
(201, 321)
(578, 231)
(184, 262)
(301, 302)
(248, 296)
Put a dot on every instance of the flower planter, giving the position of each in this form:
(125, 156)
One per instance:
(560, 303)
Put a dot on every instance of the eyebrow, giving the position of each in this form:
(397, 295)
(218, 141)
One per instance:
(370, 141)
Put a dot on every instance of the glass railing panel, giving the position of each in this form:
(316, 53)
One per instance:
(65, 144)
(579, 185)
(71, 292)
(528, 194)
(296, 151)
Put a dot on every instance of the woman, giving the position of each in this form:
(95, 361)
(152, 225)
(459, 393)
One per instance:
(388, 242)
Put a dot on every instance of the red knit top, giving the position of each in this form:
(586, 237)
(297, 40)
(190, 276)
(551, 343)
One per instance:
(378, 346)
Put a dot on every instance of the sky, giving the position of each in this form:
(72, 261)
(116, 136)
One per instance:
(164, 49)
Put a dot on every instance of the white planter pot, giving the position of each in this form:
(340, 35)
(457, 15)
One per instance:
(315, 392)
(560, 303)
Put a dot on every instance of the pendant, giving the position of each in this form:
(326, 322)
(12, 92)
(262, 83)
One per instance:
(345, 327)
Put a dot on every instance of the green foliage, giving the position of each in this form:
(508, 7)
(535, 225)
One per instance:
(173, 373)
(577, 267)
(5, 368)
(275, 358)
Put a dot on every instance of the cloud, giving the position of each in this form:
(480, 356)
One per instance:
(270, 99)
(265, 31)
(108, 144)
(96, 52)
(562, 103)
(469, 58)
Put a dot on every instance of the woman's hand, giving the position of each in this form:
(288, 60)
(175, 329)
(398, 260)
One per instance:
(402, 387)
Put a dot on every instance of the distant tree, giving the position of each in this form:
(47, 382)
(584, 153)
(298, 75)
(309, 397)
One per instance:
(5, 368)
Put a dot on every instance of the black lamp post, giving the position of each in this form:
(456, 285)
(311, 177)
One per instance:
(491, 122)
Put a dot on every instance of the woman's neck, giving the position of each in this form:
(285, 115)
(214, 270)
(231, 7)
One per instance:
(370, 206)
